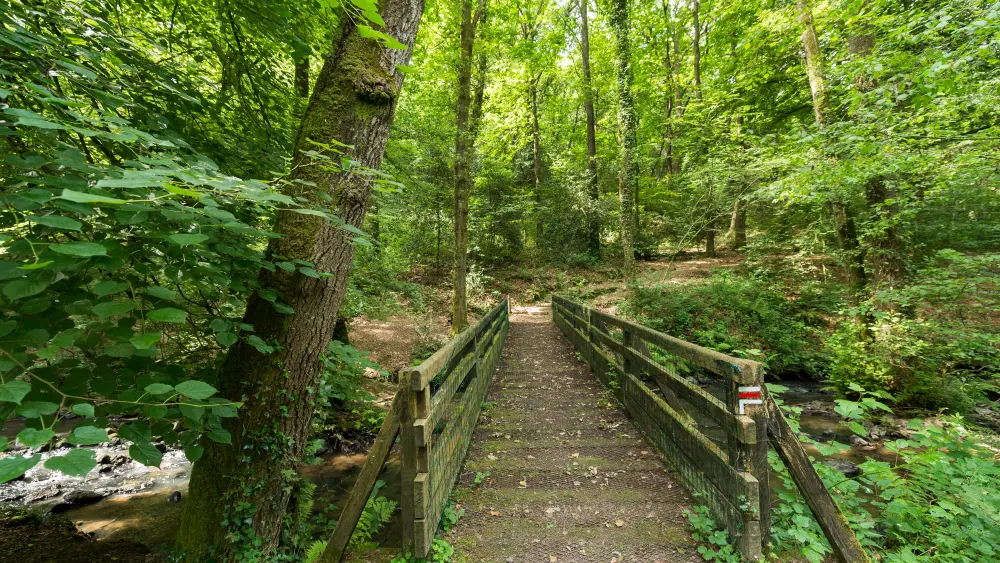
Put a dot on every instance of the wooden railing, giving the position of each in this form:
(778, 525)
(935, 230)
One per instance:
(444, 396)
(729, 473)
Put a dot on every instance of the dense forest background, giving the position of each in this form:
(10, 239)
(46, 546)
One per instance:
(199, 196)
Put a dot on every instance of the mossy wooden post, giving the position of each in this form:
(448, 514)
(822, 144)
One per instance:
(408, 459)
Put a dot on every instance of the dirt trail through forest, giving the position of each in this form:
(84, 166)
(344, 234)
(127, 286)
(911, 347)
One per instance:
(570, 479)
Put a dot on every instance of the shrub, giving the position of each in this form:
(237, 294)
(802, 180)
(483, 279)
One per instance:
(742, 316)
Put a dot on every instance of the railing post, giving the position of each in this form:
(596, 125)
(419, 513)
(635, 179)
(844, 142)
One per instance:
(748, 453)
(407, 456)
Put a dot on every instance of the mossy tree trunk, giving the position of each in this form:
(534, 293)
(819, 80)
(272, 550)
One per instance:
(464, 150)
(239, 493)
(627, 122)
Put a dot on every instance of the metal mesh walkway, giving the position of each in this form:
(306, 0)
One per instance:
(570, 478)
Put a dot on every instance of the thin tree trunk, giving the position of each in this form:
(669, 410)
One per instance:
(886, 253)
(696, 46)
(463, 166)
(239, 493)
(536, 144)
(628, 123)
(852, 255)
(814, 61)
(302, 76)
(738, 224)
(593, 188)
(710, 239)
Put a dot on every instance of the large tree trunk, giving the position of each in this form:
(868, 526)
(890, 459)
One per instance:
(239, 493)
(814, 61)
(627, 121)
(463, 166)
(536, 155)
(593, 187)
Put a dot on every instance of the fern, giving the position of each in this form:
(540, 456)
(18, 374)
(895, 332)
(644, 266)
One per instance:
(316, 549)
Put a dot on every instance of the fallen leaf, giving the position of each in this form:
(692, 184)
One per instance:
(495, 513)
(553, 559)
(524, 483)
(619, 523)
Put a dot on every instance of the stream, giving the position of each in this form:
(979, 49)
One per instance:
(126, 500)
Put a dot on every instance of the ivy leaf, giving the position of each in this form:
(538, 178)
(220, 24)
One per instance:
(146, 454)
(168, 315)
(196, 389)
(187, 239)
(82, 249)
(88, 436)
(56, 222)
(76, 463)
(113, 308)
(13, 467)
(14, 391)
(34, 438)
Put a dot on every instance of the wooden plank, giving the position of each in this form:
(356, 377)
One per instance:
(824, 508)
(365, 482)
(430, 367)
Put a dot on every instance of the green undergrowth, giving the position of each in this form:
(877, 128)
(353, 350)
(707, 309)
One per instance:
(744, 316)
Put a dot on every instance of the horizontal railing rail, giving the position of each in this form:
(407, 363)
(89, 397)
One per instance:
(630, 359)
(444, 395)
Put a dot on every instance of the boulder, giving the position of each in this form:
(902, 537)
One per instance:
(849, 469)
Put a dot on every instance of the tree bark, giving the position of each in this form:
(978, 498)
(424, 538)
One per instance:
(627, 121)
(886, 246)
(814, 61)
(239, 493)
(302, 76)
(852, 255)
(536, 145)
(593, 187)
(696, 47)
(738, 224)
(464, 147)
(710, 239)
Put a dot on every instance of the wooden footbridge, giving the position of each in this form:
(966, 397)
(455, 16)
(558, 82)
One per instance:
(576, 435)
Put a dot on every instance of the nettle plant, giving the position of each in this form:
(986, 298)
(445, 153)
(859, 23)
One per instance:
(125, 256)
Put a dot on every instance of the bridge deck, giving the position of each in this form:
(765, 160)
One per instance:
(571, 479)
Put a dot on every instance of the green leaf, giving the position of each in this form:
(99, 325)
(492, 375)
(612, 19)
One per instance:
(3, 443)
(88, 436)
(109, 287)
(80, 197)
(161, 292)
(56, 222)
(187, 240)
(220, 435)
(146, 340)
(83, 249)
(14, 391)
(196, 389)
(77, 462)
(226, 339)
(193, 452)
(13, 467)
(159, 389)
(195, 413)
(34, 438)
(113, 308)
(146, 454)
(135, 432)
(19, 289)
(225, 411)
(35, 409)
(82, 409)
(168, 315)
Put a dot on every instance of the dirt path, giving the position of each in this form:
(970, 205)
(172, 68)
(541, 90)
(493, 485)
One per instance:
(570, 478)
